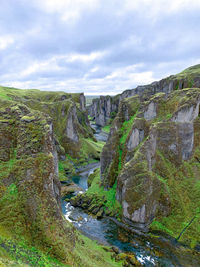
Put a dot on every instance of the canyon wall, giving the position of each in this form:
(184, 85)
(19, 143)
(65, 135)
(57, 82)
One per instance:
(105, 108)
(152, 154)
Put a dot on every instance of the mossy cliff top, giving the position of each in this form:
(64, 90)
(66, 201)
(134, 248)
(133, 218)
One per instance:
(10, 93)
(67, 111)
(154, 160)
(105, 108)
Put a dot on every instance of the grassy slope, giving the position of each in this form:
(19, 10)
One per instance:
(106, 128)
(191, 71)
(107, 198)
(9, 93)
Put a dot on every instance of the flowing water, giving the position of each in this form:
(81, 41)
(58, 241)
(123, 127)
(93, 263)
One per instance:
(107, 232)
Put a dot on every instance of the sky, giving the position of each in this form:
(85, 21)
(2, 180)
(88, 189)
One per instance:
(96, 46)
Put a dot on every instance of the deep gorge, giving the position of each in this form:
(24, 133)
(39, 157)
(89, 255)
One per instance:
(125, 169)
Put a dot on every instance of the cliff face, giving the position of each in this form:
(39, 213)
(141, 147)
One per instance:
(102, 109)
(67, 111)
(34, 127)
(152, 153)
(29, 185)
(106, 107)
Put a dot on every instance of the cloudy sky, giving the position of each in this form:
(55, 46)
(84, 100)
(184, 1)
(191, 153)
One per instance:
(96, 46)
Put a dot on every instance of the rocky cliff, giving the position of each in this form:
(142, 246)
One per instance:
(152, 153)
(30, 189)
(105, 108)
(34, 127)
(68, 115)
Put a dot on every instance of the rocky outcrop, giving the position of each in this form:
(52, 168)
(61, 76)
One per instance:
(69, 189)
(106, 107)
(67, 111)
(111, 152)
(72, 120)
(155, 152)
(29, 186)
(82, 102)
(103, 109)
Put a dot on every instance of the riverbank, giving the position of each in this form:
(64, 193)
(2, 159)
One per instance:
(149, 250)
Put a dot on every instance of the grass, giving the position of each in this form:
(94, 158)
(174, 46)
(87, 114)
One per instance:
(19, 253)
(94, 255)
(125, 129)
(193, 70)
(90, 148)
(63, 166)
(3, 94)
(9, 93)
(184, 193)
(108, 195)
(106, 128)
(6, 166)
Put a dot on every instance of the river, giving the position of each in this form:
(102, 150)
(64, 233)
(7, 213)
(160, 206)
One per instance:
(160, 251)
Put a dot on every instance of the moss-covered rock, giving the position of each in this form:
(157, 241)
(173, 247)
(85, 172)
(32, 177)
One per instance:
(106, 107)
(66, 111)
(33, 231)
(155, 154)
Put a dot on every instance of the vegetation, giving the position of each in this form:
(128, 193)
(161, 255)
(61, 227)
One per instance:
(107, 198)
(33, 231)
(184, 193)
(126, 128)
(106, 128)
(93, 255)
(13, 253)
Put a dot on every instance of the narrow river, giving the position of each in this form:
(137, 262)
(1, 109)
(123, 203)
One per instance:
(105, 231)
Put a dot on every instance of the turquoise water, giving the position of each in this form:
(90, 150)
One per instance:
(107, 232)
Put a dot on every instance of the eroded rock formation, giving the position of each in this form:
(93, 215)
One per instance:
(152, 153)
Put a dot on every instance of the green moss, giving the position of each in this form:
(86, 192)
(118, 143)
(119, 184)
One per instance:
(91, 149)
(90, 118)
(7, 166)
(3, 93)
(93, 255)
(126, 128)
(120, 159)
(28, 118)
(184, 192)
(160, 227)
(20, 254)
(106, 197)
(124, 133)
(64, 167)
(106, 128)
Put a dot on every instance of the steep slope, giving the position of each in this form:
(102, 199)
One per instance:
(33, 231)
(70, 122)
(153, 155)
(30, 189)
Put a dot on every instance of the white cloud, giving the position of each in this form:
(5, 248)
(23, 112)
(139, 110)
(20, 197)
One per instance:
(96, 46)
(152, 8)
(85, 57)
(70, 10)
(5, 41)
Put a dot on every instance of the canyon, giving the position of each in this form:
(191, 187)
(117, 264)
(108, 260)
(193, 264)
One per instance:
(143, 175)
